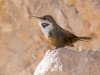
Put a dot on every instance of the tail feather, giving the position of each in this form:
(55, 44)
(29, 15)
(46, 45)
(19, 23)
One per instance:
(85, 38)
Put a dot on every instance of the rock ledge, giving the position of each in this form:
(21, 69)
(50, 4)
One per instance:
(68, 62)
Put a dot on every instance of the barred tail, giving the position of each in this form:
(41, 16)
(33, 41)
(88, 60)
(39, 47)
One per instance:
(85, 38)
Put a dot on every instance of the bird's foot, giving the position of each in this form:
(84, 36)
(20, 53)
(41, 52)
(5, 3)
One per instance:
(58, 47)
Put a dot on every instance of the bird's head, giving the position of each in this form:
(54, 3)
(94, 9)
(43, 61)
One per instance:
(46, 23)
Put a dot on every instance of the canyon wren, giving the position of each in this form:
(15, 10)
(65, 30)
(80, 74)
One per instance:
(56, 35)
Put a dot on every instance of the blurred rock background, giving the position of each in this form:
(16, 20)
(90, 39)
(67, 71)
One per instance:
(22, 43)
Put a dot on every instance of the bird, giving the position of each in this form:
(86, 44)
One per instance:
(55, 34)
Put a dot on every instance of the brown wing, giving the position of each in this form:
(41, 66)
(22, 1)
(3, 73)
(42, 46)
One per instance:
(70, 37)
(67, 33)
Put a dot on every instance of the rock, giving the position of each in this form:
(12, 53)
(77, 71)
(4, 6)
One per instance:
(68, 62)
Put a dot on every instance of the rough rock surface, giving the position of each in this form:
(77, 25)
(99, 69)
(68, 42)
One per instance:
(68, 62)
(22, 44)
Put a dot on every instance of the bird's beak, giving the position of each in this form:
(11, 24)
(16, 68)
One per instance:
(35, 17)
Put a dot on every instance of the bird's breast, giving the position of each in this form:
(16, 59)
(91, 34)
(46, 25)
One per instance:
(46, 28)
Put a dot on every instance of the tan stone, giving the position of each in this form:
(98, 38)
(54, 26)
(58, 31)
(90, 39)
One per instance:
(68, 62)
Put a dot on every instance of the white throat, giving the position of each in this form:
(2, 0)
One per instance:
(47, 29)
